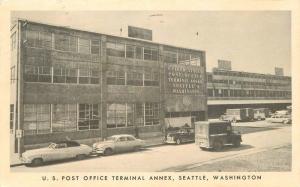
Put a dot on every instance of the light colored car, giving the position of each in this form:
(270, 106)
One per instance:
(286, 119)
(117, 143)
(56, 151)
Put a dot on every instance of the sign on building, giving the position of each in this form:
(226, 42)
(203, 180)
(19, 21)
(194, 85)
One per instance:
(224, 64)
(136, 32)
(185, 80)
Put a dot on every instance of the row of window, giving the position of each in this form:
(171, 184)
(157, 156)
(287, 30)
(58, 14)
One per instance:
(64, 118)
(250, 75)
(49, 74)
(247, 93)
(235, 82)
(128, 114)
(61, 75)
(65, 42)
(131, 51)
(46, 118)
(182, 58)
(62, 42)
(148, 78)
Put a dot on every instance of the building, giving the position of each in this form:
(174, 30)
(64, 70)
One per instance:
(236, 89)
(81, 85)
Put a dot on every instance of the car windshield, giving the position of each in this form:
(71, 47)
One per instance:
(52, 145)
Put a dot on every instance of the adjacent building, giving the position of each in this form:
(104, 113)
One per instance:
(85, 86)
(236, 89)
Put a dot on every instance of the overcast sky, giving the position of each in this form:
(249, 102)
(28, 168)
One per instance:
(254, 41)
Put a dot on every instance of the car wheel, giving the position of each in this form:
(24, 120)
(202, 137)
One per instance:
(81, 156)
(37, 162)
(218, 145)
(237, 143)
(178, 141)
(108, 151)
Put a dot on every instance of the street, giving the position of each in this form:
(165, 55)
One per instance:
(171, 158)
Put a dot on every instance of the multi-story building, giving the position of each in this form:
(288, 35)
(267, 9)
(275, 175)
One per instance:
(81, 85)
(236, 89)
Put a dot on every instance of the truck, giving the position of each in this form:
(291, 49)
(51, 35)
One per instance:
(214, 135)
(239, 114)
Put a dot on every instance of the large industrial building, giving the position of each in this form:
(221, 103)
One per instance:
(236, 89)
(81, 85)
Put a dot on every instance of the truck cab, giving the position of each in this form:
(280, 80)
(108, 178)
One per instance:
(214, 135)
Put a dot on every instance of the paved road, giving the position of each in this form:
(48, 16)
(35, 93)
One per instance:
(169, 157)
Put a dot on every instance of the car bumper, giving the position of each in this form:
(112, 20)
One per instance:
(25, 160)
(170, 141)
(97, 151)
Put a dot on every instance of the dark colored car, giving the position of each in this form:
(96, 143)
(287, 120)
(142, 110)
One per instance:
(215, 135)
(180, 136)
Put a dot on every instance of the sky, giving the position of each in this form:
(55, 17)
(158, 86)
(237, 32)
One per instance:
(254, 41)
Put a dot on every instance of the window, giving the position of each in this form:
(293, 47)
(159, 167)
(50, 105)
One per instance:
(184, 58)
(195, 60)
(151, 78)
(170, 57)
(64, 117)
(94, 76)
(151, 113)
(12, 74)
(83, 76)
(88, 116)
(13, 41)
(45, 40)
(32, 38)
(84, 46)
(44, 74)
(65, 42)
(130, 111)
(36, 119)
(31, 73)
(139, 52)
(210, 92)
(71, 75)
(150, 54)
(11, 117)
(130, 51)
(115, 49)
(139, 114)
(95, 48)
(59, 75)
(39, 39)
(134, 78)
(115, 78)
(116, 115)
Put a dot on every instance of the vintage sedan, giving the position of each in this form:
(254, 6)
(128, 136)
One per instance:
(180, 136)
(117, 143)
(286, 119)
(56, 151)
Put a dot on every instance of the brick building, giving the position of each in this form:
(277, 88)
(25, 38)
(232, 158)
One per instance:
(70, 83)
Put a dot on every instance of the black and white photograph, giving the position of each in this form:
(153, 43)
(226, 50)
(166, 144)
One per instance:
(150, 91)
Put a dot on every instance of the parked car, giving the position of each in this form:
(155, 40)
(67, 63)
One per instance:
(239, 114)
(56, 151)
(215, 135)
(117, 143)
(180, 136)
(286, 119)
